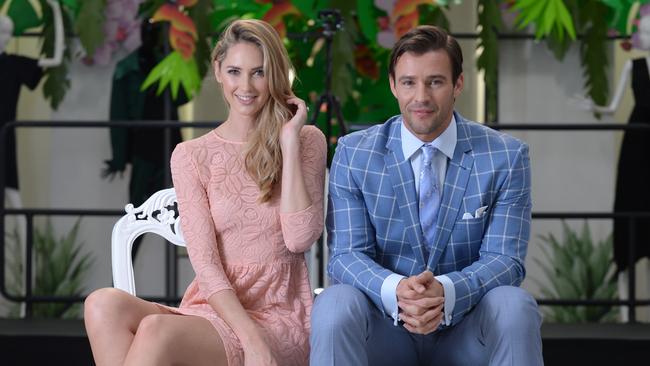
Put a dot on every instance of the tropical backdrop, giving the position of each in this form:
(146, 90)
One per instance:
(360, 47)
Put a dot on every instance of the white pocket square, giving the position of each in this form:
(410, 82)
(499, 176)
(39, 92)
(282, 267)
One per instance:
(477, 214)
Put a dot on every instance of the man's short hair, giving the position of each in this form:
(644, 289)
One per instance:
(423, 39)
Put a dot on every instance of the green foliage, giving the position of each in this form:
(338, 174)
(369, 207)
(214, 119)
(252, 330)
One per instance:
(227, 11)
(306, 7)
(15, 268)
(367, 15)
(175, 71)
(593, 50)
(24, 16)
(89, 24)
(577, 268)
(149, 7)
(433, 15)
(56, 78)
(73, 5)
(617, 17)
(343, 46)
(547, 15)
(59, 270)
(489, 18)
(200, 13)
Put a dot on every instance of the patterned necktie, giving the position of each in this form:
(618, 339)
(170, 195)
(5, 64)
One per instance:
(429, 197)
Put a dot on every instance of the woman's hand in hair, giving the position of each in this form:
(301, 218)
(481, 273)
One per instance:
(290, 134)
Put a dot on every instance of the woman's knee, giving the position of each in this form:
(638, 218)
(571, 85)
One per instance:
(101, 303)
(155, 335)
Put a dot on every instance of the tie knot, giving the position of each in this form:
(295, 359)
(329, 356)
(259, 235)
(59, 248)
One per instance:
(428, 151)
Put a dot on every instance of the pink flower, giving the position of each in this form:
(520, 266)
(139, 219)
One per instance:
(121, 29)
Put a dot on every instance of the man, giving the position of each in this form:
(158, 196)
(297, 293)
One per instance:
(429, 220)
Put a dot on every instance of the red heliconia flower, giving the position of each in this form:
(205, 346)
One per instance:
(178, 20)
(406, 8)
(182, 42)
(626, 45)
(275, 16)
(406, 22)
(364, 62)
(383, 23)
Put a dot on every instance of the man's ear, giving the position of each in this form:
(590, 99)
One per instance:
(458, 87)
(391, 81)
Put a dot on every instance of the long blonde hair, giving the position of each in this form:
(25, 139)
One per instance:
(263, 157)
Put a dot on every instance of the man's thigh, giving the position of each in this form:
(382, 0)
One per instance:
(503, 329)
(350, 317)
(389, 344)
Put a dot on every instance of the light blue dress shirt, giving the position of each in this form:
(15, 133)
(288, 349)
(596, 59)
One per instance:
(445, 143)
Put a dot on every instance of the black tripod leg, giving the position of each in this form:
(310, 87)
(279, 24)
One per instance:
(317, 105)
(343, 128)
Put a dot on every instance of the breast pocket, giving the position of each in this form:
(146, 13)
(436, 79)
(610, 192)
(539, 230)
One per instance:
(468, 233)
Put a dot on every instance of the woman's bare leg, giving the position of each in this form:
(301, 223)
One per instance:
(119, 324)
(112, 317)
(163, 339)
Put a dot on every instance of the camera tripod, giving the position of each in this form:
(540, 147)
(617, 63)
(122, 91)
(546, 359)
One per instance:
(332, 22)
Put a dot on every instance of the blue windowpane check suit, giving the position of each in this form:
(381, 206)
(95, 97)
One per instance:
(373, 222)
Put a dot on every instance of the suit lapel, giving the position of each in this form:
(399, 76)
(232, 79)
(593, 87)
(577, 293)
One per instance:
(401, 176)
(456, 179)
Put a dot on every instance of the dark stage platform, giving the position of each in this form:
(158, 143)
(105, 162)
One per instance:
(64, 342)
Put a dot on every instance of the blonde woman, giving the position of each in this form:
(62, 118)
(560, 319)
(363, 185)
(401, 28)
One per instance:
(250, 193)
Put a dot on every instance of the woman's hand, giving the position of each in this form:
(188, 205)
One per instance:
(258, 353)
(290, 134)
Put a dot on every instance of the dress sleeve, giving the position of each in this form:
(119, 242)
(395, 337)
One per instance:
(196, 222)
(302, 228)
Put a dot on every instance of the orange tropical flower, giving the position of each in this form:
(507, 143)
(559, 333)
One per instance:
(364, 62)
(178, 20)
(275, 16)
(406, 8)
(182, 42)
(182, 32)
(406, 22)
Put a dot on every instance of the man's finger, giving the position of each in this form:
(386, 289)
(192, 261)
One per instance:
(425, 302)
(424, 278)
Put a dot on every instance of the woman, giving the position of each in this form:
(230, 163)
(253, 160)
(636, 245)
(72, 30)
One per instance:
(250, 195)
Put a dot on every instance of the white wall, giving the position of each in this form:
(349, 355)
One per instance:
(572, 170)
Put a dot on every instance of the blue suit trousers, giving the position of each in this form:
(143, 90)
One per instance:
(503, 329)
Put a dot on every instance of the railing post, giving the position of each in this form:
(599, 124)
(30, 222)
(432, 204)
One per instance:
(29, 256)
(631, 254)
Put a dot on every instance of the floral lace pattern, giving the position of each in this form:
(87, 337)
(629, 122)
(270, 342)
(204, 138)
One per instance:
(236, 243)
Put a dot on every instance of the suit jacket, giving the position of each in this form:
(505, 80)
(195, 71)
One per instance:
(373, 223)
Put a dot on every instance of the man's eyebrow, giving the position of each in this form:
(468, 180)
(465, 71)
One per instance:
(434, 76)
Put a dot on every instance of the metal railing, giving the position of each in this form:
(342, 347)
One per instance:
(172, 275)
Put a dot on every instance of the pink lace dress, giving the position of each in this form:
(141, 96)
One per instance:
(238, 244)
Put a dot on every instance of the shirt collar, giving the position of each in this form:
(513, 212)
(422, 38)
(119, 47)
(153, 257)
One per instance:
(446, 142)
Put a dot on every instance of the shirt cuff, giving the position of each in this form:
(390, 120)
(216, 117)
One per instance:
(389, 296)
(450, 298)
